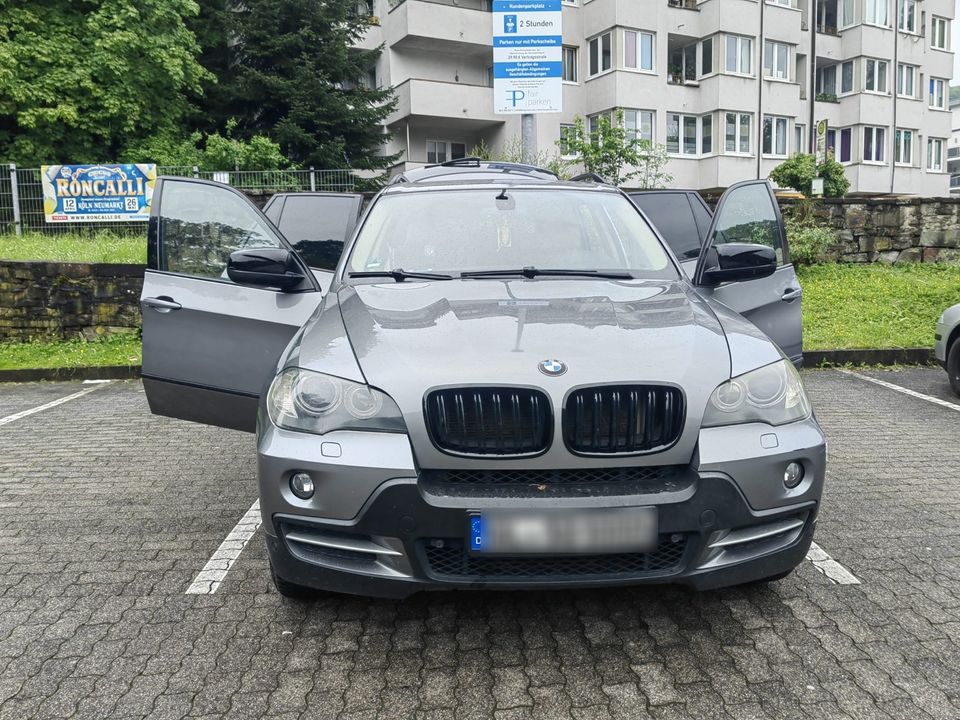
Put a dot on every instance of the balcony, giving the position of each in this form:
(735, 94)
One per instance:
(452, 26)
(471, 106)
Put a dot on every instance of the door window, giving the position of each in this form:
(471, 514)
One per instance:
(748, 215)
(672, 215)
(200, 225)
(317, 226)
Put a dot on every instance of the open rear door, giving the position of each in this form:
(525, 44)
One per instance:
(210, 345)
(748, 213)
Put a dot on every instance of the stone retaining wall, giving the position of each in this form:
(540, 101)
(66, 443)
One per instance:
(66, 300)
(890, 230)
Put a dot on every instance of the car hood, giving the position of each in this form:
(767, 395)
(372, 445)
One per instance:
(411, 337)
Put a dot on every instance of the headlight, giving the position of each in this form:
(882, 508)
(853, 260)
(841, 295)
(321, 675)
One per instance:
(772, 394)
(316, 403)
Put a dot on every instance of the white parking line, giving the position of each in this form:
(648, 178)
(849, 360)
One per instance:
(51, 404)
(905, 391)
(215, 571)
(834, 571)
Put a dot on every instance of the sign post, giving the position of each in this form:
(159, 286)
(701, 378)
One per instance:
(821, 142)
(527, 62)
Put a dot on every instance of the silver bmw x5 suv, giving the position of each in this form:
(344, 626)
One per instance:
(508, 381)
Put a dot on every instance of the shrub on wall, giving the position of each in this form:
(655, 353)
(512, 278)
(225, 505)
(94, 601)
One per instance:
(799, 171)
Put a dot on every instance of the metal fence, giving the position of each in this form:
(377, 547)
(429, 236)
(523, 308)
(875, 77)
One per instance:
(21, 194)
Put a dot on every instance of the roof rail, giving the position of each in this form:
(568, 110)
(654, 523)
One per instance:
(591, 176)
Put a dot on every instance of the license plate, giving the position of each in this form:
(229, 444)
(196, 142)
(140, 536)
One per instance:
(566, 531)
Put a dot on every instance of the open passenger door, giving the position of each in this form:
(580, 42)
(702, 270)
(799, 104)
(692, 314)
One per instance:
(223, 293)
(748, 214)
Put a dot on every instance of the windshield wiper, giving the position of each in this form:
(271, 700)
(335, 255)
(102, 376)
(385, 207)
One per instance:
(399, 275)
(532, 272)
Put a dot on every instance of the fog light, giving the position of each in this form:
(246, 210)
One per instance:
(301, 485)
(791, 476)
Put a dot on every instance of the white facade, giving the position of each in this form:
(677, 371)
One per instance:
(724, 84)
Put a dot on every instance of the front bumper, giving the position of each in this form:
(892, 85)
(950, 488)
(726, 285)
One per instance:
(378, 527)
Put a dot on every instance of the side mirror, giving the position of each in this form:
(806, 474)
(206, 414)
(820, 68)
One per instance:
(740, 261)
(265, 267)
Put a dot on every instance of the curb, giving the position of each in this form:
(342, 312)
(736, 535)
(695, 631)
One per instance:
(880, 356)
(106, 372)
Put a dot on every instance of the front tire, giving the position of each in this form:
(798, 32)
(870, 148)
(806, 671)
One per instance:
(291, 590)
(953, 366)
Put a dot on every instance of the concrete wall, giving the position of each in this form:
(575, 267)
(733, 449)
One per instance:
(67, 300)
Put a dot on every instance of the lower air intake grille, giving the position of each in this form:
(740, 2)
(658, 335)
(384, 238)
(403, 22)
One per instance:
(452, 561)
(623, 419)
(489, 420)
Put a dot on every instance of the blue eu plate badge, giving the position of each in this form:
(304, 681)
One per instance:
(476, 532)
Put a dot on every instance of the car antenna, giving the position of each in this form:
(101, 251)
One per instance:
(503, 195)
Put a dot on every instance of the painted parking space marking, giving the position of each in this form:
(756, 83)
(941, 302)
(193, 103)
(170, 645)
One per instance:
(834, 571)
(52, 404)
(208, 580)
(903, 390)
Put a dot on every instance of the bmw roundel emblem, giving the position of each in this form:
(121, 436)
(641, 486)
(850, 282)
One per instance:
(553, 368)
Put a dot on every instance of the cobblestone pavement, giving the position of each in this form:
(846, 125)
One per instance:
(107, 513)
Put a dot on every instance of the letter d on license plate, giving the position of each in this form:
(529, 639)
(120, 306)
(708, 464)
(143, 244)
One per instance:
(566, 531)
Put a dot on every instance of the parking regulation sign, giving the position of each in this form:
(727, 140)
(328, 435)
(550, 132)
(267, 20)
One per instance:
(527, 56)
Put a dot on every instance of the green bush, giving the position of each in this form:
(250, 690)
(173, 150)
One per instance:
(799, 171)
(809, 244)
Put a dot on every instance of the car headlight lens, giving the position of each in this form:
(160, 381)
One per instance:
(772, 394)
(317, 403)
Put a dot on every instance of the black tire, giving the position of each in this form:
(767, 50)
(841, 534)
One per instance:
(953, 365)
(292, 590)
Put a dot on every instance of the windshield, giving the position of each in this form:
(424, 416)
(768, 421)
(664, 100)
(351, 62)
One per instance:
(494, 229)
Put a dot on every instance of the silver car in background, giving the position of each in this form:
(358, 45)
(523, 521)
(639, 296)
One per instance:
(509, 381)
(947, 347)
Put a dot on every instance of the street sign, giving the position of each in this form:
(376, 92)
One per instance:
(97, 193)
(527, 56)
(821, 142)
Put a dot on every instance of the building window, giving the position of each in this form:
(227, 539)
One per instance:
(739, 55)
(827, 80)
(876, 76)
(877, 13)
(440, 151)
(940, 33)
(568, 134)
(638, 124)
(907, 17)
(706, 135)
(682, 134)
(776, 60)
(846, 77)
(798, 136)
(938, 94)
(637, 50)
(774, 136)
(903, 147)
(846, 146)
(874, 139)
(600, 54)
(706, 57)
(935, 154)
(906, 80)
(737, 133)
(570, 64)
(847, 17)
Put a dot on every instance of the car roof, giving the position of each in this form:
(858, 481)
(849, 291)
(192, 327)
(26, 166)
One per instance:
(473, 182)
(472, 166)
(472, 173)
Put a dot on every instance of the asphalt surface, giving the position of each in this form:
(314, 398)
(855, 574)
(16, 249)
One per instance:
(108, 513)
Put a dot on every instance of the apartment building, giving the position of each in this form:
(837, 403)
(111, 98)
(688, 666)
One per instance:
(729, 87)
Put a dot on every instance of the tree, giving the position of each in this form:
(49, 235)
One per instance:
(799, 171)
(297, 77)
(619, 159)
(81, 79)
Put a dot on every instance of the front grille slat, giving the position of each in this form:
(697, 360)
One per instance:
(489, 421)
(626, 419)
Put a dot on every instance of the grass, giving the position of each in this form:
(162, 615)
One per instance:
(95, 247)
(114, 350)
(875, 306)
